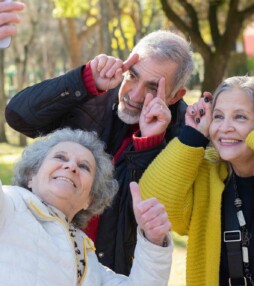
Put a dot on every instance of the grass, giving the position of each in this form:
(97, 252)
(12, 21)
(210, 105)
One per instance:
(178, 276)
(8, 156)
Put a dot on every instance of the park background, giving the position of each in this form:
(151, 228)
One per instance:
(58, 35)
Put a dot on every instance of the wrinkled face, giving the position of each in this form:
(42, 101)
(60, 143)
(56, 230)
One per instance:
(143, 78)
(65, 178)
(233, 119)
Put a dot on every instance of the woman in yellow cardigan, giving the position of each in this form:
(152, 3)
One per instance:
(209, 191)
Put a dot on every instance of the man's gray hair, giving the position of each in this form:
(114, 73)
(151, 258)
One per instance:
(164, 45)
(104, 186)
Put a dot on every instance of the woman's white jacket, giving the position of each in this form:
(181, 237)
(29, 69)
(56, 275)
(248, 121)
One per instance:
(36, 250)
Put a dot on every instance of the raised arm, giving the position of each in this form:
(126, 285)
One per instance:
(153, 253)
(6, 208)
(171, 176)
(42, 108)
(61, 101)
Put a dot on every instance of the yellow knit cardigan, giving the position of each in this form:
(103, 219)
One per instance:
(189, 181)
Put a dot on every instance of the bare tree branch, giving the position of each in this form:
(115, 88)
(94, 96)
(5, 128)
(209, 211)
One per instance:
(213, 21)
(248, 11)
(195, 35)
(189, 9)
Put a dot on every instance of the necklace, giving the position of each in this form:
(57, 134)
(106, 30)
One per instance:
(246, 236)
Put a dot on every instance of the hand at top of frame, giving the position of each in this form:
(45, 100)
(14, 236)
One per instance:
(8, 17)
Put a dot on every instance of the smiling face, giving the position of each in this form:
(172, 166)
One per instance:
(143, 78)
(233, 119)
(65, 178)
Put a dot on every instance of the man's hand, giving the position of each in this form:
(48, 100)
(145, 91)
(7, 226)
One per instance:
(107, 71)
(199, 115)
(155, 116)
(151, 216)
(8, 16)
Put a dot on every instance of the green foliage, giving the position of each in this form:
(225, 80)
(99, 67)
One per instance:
(250, 65)
(6, 173)
(8, 156)
(237, 64)
(137, 18)
(130, 20)
(128, 29)
(179, 241)
(74, 8)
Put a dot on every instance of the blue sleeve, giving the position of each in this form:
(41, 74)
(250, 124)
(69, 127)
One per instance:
(191, 137)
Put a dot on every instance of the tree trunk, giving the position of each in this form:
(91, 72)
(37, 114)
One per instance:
(224, 35)
(2, 99)
(22, 140)
(104, 30)
(214, 70)
(74, 43)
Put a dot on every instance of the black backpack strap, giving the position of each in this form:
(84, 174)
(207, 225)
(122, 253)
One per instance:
(232, 238)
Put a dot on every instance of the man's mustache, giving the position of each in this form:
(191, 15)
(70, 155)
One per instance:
(127, 99)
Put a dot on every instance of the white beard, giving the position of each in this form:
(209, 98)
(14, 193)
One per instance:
(128, 116)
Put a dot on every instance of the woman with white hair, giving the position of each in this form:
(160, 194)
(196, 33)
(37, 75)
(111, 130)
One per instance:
(59, 183)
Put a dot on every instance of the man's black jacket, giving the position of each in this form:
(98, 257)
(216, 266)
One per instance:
(64, 102)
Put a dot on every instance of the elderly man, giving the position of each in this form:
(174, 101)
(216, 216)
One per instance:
(135, 116)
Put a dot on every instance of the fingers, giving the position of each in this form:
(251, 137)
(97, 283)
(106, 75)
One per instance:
(157, 111)
(11, 6)
(155, 116)
(150, 215)
(135, 193)
(7, 31)
(157, 229)
(156, 103)
(161, 92)
(107, 71)
(132, 60)
(198, 109)
(153, 213)
(199, 115)
(156, 108)
(8, 17)
(148, 99)
(149, 211)
(154, 221)
(139, 205)
(107, 66)
(207, 96)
